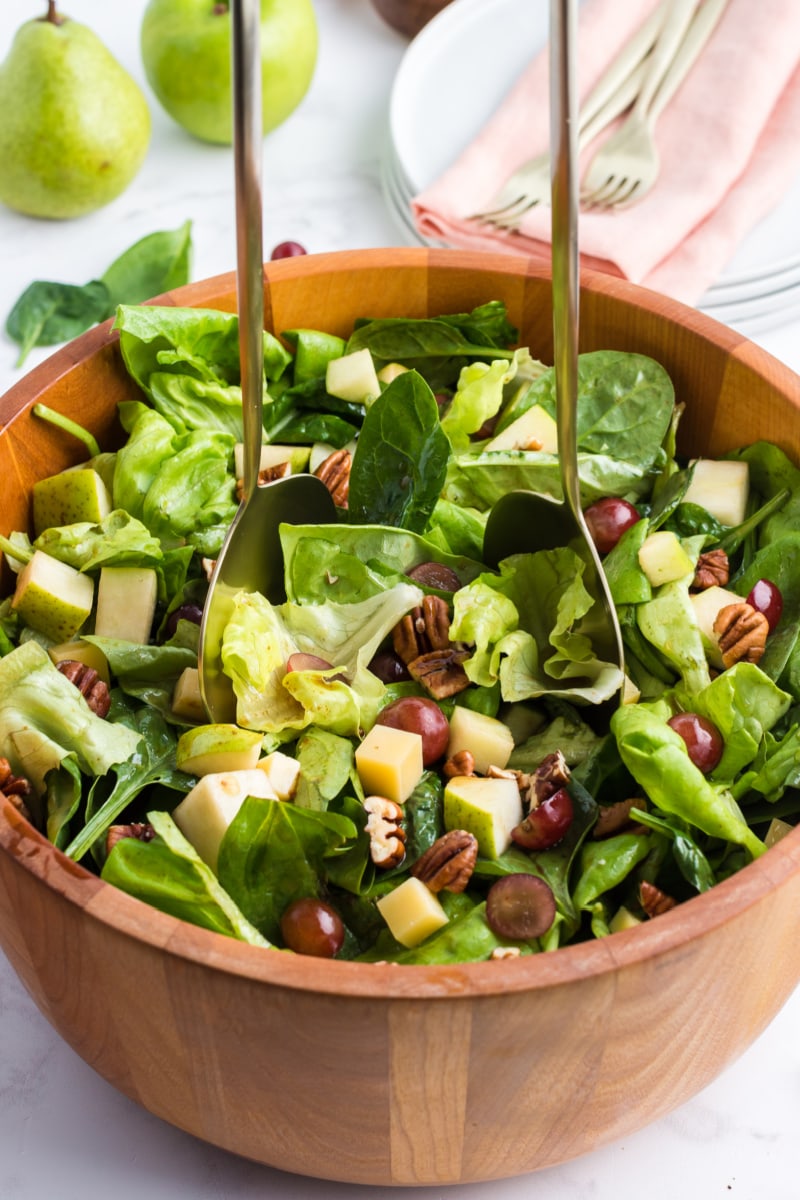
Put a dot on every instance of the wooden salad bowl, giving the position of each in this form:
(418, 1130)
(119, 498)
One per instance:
(383, 1074)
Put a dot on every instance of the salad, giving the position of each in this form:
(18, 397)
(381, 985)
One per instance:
(429, 762)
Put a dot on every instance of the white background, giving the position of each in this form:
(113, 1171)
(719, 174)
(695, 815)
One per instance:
(64, 1132)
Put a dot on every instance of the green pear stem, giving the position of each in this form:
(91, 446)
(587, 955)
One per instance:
(52, 16)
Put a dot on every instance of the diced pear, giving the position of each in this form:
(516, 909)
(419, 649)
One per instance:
(663, 558)
(126, 603)
(82, 652)
(630, 692)
(623, 919)
(187, 699)
(412, 912)
(52, 597)
(353, 377)
(390, 372)
(534, 430)
(488, 740)
(721, 488)
(272, 455)
(283, 773)
(389, 762)
(777, 831)
(205, 812)
(523, 720)
(214, 749)
(707, 606)
(487, 808)
(69, 497)
(321, 450)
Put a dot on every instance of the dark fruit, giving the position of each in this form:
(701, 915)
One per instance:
(766, 598)
(703, 740)
(389, 667)
(435, 575)
(309, 926)
(186, 612)
(607, 520)
(312, 662)
(520, 907)
(416, 714)
(287, 250)
(546, 824)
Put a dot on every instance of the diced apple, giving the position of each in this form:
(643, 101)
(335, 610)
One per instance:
(534, 430)
(187, 699)
(488, 740)
(82, 652)
(283, 773)
(630, 692)
(487, 808)
(353, 377)
(213, 749)
(623, 919)
(321, 450)
(126, 603)
(389, 373)
(721, 487)
(52, 597)
(389, 762)
(777, 831)
(663, 558)
(205, 812)
(272, 455)
(707, 606)
(412, 912)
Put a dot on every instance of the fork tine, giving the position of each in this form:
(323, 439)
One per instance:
(502, 210)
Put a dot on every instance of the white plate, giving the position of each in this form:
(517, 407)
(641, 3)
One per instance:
(455, 74)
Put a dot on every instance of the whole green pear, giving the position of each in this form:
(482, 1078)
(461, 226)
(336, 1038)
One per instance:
(186, 51)
(75, 127)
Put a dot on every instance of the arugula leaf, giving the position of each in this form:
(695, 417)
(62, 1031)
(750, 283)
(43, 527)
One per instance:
(400, 462)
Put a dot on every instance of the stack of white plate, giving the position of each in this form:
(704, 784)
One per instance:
(454, 75)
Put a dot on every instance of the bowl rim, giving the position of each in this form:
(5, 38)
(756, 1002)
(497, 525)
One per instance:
(693, 919)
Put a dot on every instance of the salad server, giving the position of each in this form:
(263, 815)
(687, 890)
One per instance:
(525, 521)
(250, 559)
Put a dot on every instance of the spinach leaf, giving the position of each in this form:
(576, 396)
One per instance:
(690, 859)
(155, 264)
(47, 313)
(400, 339)
(422, 821)
(152, 762)
(401, 459)
(169, 874)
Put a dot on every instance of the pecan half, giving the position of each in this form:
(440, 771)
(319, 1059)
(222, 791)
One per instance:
(653, 900)
(93, 689)
(449, 863)
(143, 831)
(462, 763)
(551, 774)
(435, 575)
(741, 632)
(15, 788)
(425, 628)
(265, 475)
(712, 570)
(387, 838)
(440, 672)
(334, 471)
(613, 818)
(501, 952)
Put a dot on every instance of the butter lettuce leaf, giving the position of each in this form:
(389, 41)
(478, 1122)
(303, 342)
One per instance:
(44, 718)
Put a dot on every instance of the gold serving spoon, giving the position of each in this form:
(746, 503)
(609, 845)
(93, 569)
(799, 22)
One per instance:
(524, 521)
(250, 559)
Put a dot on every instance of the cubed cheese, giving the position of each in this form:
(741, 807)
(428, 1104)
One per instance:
(412, 912)
(389, 762)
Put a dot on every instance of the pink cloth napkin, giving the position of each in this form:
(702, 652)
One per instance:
(729, 143)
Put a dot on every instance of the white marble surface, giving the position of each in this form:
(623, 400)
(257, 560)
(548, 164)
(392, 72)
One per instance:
(64, 1132)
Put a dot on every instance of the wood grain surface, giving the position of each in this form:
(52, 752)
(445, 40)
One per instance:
(381, 1074)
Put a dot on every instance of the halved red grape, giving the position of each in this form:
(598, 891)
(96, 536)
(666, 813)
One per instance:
(309, 926)
(546, 824)
(287, 250)
(185, 612)
(703, 740)
(607, 520)
(520, 907)
(416, 714)
(389, 667)
(765, 597)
